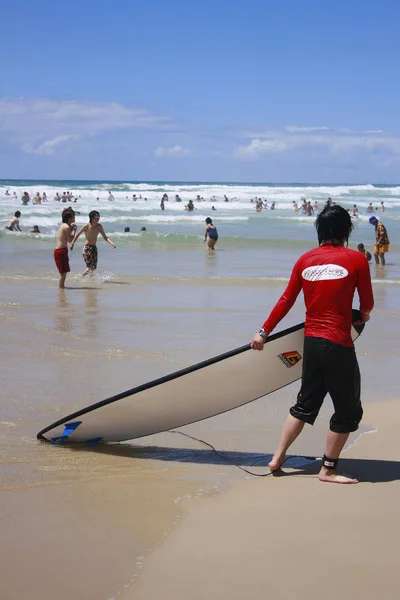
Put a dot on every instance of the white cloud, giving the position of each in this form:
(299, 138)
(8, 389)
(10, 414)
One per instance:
(368, 131)
(257, 147)
(293, 129)
(49, 146)
(321, 139)
(40, 125)
(171, 152)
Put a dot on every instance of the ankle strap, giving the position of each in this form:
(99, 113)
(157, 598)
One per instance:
(330, 463)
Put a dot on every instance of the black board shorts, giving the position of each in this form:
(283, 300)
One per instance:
(329, 368)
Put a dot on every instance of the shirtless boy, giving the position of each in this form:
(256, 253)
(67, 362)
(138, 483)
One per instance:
(92, 230)
(64, 236)
(13, 225)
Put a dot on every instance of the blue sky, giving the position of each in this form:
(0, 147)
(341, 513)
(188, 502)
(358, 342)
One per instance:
(289, 91)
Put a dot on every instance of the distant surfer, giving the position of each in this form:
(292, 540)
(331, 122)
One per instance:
(328, 276)
(92, 230)
(65, 235)
(210, 234)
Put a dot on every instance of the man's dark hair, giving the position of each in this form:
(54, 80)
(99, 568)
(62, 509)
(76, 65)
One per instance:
(67, 214)
(333, 223)
(93, 214)
(17, 214)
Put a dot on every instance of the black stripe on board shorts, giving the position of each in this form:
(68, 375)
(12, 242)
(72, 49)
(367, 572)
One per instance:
(329, 368)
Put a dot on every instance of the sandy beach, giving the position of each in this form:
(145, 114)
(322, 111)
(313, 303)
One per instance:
(232, 171)
(164, 516)
(291, 536)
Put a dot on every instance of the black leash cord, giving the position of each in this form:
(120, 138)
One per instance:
(239, 466)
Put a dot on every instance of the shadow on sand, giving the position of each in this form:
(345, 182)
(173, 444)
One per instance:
(367, 470)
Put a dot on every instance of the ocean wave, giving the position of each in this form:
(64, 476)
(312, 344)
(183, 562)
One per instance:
(209, 190)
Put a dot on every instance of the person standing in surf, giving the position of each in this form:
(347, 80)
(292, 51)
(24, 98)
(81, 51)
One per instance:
(65, 235)
(13, 224)
(210, 234)
(328, 276)
(382, 240)
(92, 230)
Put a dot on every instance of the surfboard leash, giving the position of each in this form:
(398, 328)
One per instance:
(235, 464)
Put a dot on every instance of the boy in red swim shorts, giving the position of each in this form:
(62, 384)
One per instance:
(65, 235)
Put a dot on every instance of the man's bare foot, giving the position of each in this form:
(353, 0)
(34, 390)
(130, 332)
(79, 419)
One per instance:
(276, 462)
(333, 477)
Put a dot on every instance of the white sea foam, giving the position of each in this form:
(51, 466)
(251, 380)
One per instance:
(236, 219)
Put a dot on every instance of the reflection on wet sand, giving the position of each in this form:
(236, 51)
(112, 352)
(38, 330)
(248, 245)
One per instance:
(69, 308)
(92, 311)
(63, 315)
(379, 272)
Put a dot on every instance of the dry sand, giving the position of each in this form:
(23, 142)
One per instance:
(291, 536)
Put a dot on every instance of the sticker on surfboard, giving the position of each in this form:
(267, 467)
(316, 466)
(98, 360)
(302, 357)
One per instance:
(290, 359)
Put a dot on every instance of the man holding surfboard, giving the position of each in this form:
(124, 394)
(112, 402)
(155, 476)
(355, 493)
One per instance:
(328, 276)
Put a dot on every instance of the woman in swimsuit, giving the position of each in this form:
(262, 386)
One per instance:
(210, 234)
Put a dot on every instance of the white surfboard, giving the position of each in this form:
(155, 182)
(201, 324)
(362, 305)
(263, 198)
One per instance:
(198, 392)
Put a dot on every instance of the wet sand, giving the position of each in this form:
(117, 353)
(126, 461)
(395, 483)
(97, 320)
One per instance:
(87, 523)
(291, 536)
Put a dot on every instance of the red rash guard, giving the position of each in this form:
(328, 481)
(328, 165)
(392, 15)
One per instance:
(328, 276)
